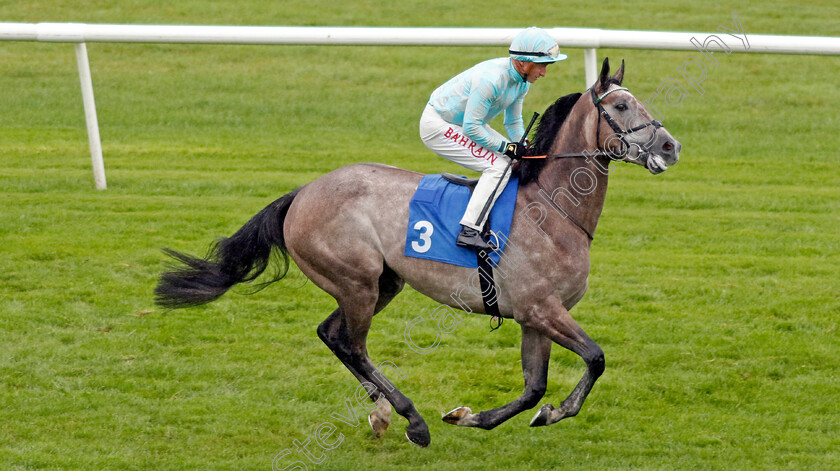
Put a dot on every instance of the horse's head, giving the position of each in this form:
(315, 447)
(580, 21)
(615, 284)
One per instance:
(626, 130)
(607, 121)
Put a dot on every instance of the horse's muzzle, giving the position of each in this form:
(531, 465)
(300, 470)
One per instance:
(664, 152)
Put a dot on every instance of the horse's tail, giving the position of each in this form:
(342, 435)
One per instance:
(236, 259)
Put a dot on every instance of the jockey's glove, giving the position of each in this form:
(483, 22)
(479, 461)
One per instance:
(514, 150)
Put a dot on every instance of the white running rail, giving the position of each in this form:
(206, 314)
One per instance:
(588, 39)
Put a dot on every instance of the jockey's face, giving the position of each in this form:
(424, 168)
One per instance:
(531, 70)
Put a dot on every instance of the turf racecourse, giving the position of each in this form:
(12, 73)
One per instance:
(714, 288)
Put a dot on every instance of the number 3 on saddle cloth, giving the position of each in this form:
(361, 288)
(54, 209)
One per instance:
(434, 217)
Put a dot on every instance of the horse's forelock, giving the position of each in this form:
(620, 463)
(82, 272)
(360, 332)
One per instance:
(613, 80)
(550, 123)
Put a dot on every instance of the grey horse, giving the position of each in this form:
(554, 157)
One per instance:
(346, 231)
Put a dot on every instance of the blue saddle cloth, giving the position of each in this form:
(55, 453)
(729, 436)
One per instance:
(434, 216)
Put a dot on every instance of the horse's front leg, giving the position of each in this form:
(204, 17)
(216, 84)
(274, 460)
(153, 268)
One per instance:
(553, 320)
(536, 350)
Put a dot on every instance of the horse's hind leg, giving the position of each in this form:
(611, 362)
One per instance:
(345, 333)
(339, 337)
(389, 286)
(334, 328)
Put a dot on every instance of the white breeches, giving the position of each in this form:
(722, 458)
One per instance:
(448, 141)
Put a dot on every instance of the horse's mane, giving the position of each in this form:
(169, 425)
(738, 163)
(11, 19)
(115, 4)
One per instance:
(554, 117)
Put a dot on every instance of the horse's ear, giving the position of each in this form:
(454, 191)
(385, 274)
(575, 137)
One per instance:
(619, 75)
(605, 74)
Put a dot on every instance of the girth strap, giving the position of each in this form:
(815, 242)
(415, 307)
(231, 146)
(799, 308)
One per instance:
(486, 281)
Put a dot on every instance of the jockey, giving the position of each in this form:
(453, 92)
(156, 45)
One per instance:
(455, 123)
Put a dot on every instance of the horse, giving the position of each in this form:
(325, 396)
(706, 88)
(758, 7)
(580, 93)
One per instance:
(347, 229)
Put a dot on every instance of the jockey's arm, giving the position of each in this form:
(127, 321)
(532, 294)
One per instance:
(514, 125)
(476, 115)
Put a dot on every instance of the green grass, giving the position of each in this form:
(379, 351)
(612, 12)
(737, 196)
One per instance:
(714, 288)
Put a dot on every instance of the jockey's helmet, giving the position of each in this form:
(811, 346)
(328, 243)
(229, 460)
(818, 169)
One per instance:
(535, 45)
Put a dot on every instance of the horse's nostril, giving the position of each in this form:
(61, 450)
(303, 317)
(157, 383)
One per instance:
(667, 146)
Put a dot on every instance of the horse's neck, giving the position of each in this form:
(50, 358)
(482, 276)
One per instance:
(577, 186)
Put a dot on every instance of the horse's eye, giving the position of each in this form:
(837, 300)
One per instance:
(621, 107)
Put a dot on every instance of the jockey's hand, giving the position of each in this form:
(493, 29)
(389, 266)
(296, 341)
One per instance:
(514, 150)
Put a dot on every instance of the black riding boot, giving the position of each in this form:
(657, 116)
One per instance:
(471, 239)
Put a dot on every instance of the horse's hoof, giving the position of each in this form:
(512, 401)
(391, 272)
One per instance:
(378, 426)
(456, 415)
(380, 418)
(542, 416)
(419, 435)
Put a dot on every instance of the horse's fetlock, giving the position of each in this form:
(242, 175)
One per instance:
(486, 425)
(568, 409)
(533, 395)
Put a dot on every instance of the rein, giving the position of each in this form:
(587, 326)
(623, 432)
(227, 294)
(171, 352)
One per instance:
(561, 156)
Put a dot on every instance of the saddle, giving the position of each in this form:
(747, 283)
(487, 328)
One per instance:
(435, 212)
(460, 180)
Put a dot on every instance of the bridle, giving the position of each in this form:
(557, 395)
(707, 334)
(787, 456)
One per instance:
(602, 113)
